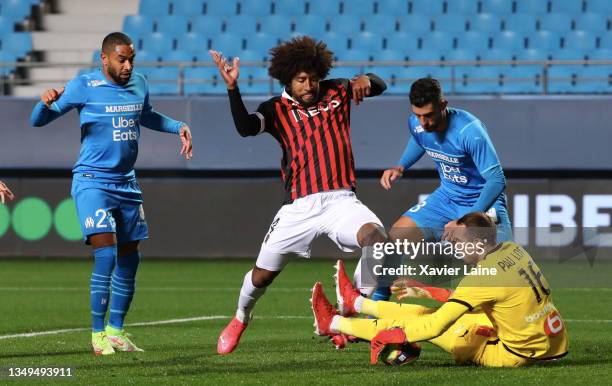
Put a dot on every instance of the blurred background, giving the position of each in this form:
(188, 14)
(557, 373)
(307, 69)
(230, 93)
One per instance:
(537, 72)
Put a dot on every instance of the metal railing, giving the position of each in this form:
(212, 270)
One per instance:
(455, 80)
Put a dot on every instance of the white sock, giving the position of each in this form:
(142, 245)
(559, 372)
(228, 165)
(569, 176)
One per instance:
(249, 294)
(358, 304)
(365, 291)
(335, 324)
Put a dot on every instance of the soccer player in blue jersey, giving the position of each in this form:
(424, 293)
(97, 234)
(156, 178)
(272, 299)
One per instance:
(112, 103)
(471, 176)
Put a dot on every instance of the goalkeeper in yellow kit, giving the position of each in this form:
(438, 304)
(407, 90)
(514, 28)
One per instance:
(502, 320)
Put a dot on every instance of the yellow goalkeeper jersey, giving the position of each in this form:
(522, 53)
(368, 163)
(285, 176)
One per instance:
(518, 301)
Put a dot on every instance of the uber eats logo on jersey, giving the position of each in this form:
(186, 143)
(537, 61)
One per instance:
(32, 219)
(124, 123)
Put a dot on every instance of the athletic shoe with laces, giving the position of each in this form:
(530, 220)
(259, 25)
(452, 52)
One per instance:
(230, 336)
(345, 292)
(100, 343)
(120, 340)
(322, 310)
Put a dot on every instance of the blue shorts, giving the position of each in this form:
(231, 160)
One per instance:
(114, 207)
(438, 209)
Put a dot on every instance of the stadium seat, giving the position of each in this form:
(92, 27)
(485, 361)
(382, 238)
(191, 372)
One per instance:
(605, 41)
(562, 79)
(207, 25)
(498, 7)
(473, 41)
(533, 54)
(402, 42)
(345, 24)
(570, 7)
(7, 25)
(543, 40)
(484, 22)
(353, 56)
(228, 43)
(136, 26)
(221, 8)
(414, 24)
(366, 41)
(154, 7)
(358, 7)
(391, 56)
(462, 7)
(261, 42)
(569, 54)
(289, 8)
(556, 22)
(497, 54)
(450, 23)
(241, 25)
(335, 42)
(253, 56)
(173, 25)
(393, 7)
(522, 23)
(254, 80)
(144, 57)
(601, 54)
(533, 7)
(426, 7)
(203, 80)
(438, 40)
(311, 25)
(346, 72)
(191, 8)
(323, 7)
(259, 8)
(277, 25)
(580, 40)
(425, 55)
(460, 55)
(593, 22)
(157, 43)
(164, 81)
(509, 40)
(178, 56)
(603, 7)
(381, 24)
(17, 43)
(522, 80)
(15, 10)
(478, 80)
(7, 57)
(594, 79)
(192, 43)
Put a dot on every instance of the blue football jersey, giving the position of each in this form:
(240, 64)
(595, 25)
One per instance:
(462, 153)
(110, 118)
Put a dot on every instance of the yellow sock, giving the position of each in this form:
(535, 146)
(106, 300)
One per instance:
(364, 328)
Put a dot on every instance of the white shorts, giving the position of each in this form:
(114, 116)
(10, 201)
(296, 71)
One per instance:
(337, 214)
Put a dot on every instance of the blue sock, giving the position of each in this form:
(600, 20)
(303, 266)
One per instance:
(123, 288)
(381, 293)
(99, 286)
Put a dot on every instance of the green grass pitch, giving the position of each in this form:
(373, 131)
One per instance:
(279, 346)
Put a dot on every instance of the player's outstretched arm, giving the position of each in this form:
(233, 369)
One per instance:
(42, 113)
(366, 85)
(246, 124)
(5, 192)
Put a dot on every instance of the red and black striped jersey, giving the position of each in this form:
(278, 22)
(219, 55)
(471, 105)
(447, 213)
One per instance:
(316, 141)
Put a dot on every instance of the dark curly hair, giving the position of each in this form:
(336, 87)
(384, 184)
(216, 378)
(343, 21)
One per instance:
(425, 91)
(301, 53)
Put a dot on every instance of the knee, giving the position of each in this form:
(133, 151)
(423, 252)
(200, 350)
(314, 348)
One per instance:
(371, 233)
(127, 249)
(262, 277)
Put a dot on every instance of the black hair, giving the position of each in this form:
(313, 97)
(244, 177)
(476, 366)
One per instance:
(425, 91)
(301, 53)
(114, 39)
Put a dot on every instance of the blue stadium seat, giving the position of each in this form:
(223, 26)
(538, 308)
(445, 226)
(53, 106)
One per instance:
(367, 41)
(261, 8)
(154, 7)
(277, 25)
(254, 80)
(143, 56)
(358, 7)
(242, 25)
(323, 7)
(426, 7)
(473, 41)
(605, 40)
(191, 8)
(438, 40)
(498, 7)
(479, 80)
(164, 81)
(601, 54)
(533, 7)
(402, 42)
(450, 23)
(158, 43)
(252, 56)
(595, 79)
(543, 40)
(460, 55)
(136, 26)
(353, 56)
(391, 55)
(261, 42)
(289, 7)
(7, 25)
(393, 7)
(523, 23)
(203, 80)
(580, 40)
(221, 8)
(522, 79)
(461, 7)
(174, 25)
(509, 40)
(7, 57)
(562, 79)
(178, 56)
(534, 54)
(17, 43)
(15, 9)
(311, 25)
(593, 22)
(335, 42)
(345, 24)
(599, 6)
(485, 22)
(381, 24)
(414, 24)
(228, 43)
(569, 54)
(192, 43)
(425, 55)
(498, 54)
(346, 72)
(207, 25)
(556, 22)
(570, 7)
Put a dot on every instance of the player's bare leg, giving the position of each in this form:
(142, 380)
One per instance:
(253, 287)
